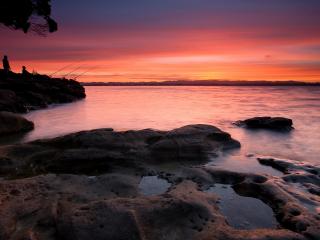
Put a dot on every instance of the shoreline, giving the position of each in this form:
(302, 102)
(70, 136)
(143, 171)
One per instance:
(23, 93)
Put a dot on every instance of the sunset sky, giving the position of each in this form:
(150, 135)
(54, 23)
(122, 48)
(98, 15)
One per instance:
(156, 40)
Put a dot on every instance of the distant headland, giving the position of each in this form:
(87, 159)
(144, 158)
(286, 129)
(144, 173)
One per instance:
(204, 83)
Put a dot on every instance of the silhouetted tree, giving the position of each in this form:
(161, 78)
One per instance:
(28, 15)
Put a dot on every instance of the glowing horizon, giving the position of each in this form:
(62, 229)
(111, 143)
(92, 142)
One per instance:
(170, 40)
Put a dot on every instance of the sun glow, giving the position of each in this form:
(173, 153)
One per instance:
(225, 45)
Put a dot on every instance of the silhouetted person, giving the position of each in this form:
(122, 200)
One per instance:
(25, 73)
(6, 65)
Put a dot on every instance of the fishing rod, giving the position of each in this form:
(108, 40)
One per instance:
(81, 74)
(61, 69)
(65, 67)
(72, 71)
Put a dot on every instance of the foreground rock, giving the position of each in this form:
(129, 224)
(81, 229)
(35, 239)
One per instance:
(103, 149)
(271, 123)
(81, 207)
(11, 123)
(111, 207)
(288, 166)
(110, 204)
(304, 174)
(20, 94)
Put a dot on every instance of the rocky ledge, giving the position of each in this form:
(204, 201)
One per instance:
(20, 93)
(102, 150)
(86, 186)
(11, 123)
(271, 123)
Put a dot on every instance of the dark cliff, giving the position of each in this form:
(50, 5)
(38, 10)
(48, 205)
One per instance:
(22, 93)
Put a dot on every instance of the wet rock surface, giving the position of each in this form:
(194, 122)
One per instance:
(110, 207)
(288, 166)
(20, 94)
(11, 124)
(271, 123)
(103, 150)
(87, 185)
(303, 180)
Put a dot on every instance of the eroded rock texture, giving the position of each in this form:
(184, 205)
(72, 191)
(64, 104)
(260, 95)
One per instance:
(57, 201)
(78, 207)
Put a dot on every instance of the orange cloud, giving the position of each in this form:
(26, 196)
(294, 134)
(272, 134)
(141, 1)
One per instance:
(164, 54)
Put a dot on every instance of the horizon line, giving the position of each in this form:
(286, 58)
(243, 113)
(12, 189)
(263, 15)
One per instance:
(207, 83)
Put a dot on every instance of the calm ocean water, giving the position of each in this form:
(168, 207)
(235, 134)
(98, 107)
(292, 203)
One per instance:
(164, 108)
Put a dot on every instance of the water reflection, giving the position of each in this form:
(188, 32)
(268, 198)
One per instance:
(124, 108)
(243, 212)
(153, 185)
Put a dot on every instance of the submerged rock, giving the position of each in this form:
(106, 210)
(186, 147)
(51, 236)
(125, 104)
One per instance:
(272, 123)
(11, 123)
(20, 93)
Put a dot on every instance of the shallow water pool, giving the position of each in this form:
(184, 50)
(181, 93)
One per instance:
(243, 212)
(153, 185)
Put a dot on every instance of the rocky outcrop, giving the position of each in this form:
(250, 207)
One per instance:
(301, 173)
(110, 207)
(21, 94)
(11, 123)
(102, 149)
(271, 123)
(57, 201)
(288, 166)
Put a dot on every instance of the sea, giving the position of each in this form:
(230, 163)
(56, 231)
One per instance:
(165, 108)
